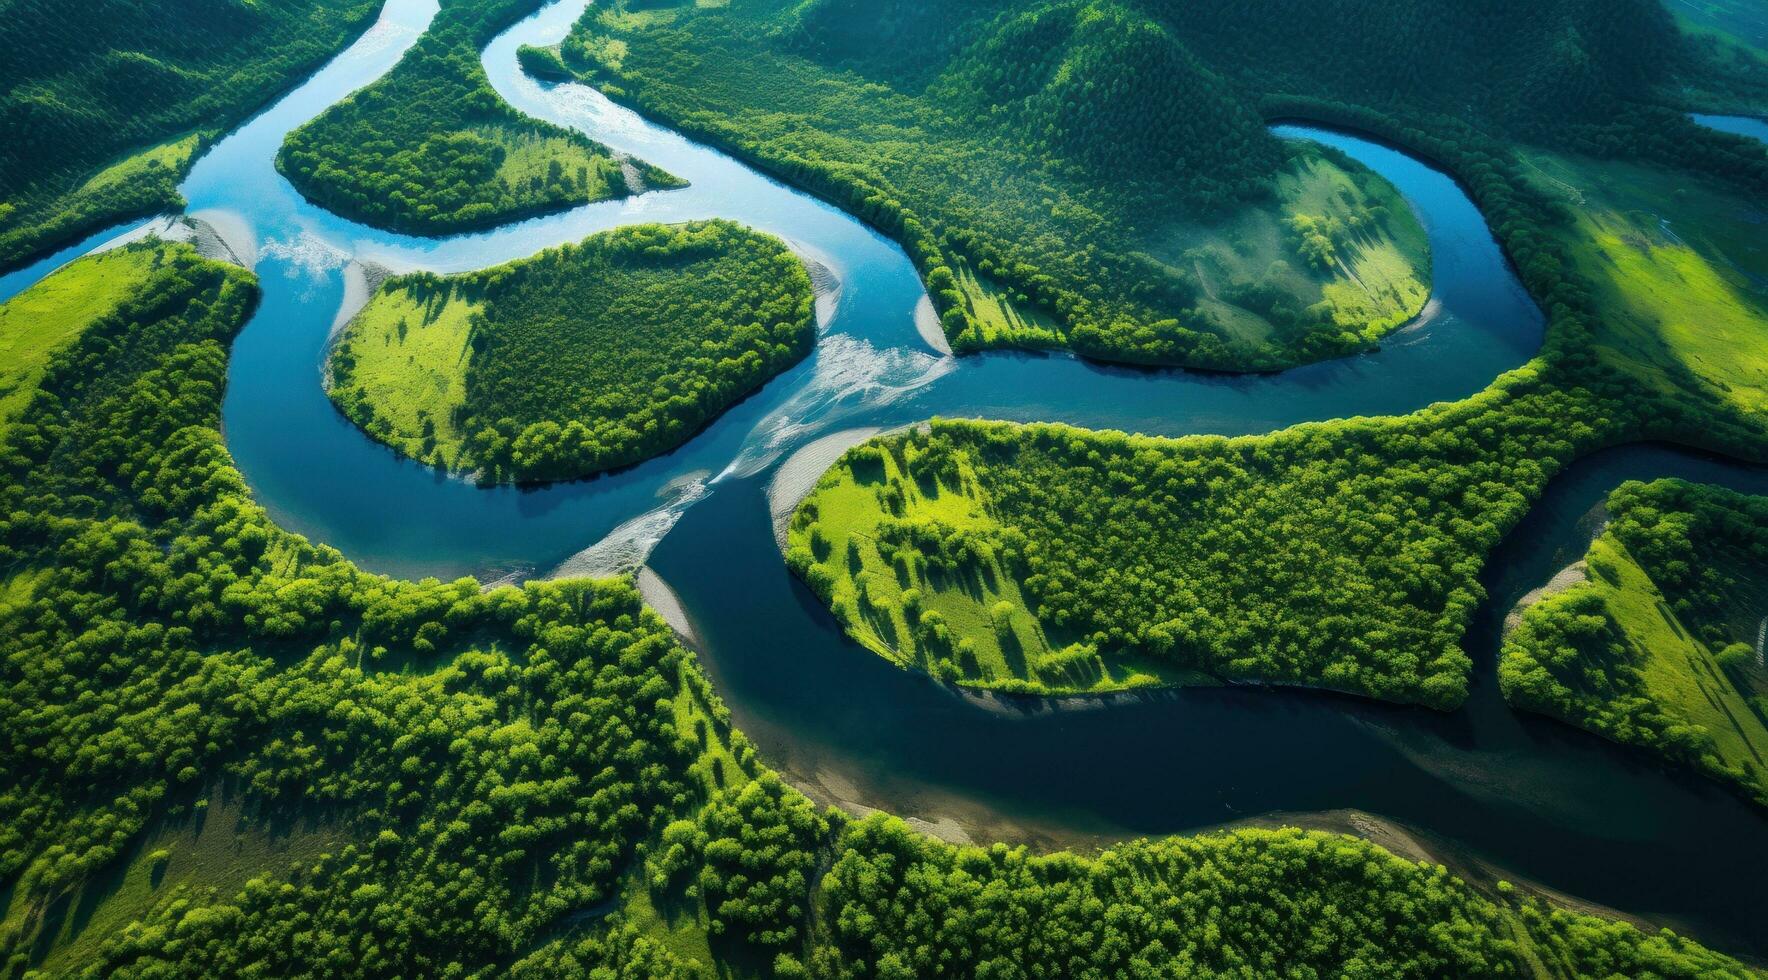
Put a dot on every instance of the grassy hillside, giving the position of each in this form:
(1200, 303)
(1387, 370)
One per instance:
(1658, 647)
(40, 321)
(429, 148)
(1679, 269)
(103, 103)
(577, 360)
(1064, 174)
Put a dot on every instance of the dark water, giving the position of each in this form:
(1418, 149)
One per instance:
(1538, 798)
(1533, 796)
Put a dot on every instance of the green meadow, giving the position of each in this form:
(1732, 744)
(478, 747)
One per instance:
(1680, 271)
(46, 317)
(1668, 662)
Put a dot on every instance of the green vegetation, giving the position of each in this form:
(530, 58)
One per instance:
(1678, 269)
(1729, 41)
(230, 752)
(163, 642)
(1340, 554)
(1079, 173)
(1303, 906)
(104, 104)
(429, 148)
(933, 583)
(1337, 554)
(51, 314)
(1065, 175)
(580, 359)
(1657, 648)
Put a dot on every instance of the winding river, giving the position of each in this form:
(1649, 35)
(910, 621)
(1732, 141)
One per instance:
(1483, 784)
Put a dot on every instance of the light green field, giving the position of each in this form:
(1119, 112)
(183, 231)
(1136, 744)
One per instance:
(171, 155)
(995, 637)
(528, 159)
(42, 319)
(1679, 674)
(1740, 22)
(409, 377)
(1000, 316)
(1378, 278)
(210, 855)
(1680, 272)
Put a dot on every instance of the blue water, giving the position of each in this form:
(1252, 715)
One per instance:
(319, 476)
(1741, 125)
(1481, 784)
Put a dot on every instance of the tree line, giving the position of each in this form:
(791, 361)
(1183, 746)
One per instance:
(1704, 548)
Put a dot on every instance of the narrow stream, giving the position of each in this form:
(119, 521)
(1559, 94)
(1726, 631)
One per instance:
(1535, 797)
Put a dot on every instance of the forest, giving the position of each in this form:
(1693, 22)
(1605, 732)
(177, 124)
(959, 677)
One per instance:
(969, 139)
(992, 160)
(1656, 645)
(1339, 554)
(430, 149)
(102, 103)
(227, 750)
(532, 781)
(580, 359)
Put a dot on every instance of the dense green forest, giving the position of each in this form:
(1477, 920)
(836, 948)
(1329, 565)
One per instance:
(1337, 554)
(1057, 170)
(581, 359)
(1656, 645)
(1066, 174)
(535, 781)
(104, 103)
(1340, 554)
(429, 148)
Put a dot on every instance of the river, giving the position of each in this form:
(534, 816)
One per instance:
(1531, 796)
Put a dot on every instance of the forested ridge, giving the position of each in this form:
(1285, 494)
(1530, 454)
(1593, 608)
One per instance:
(430, 148)
(1051, 153)
(1657, 647)
(1072, 163)
(585, 357)
(512, 778)
(90, 86)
